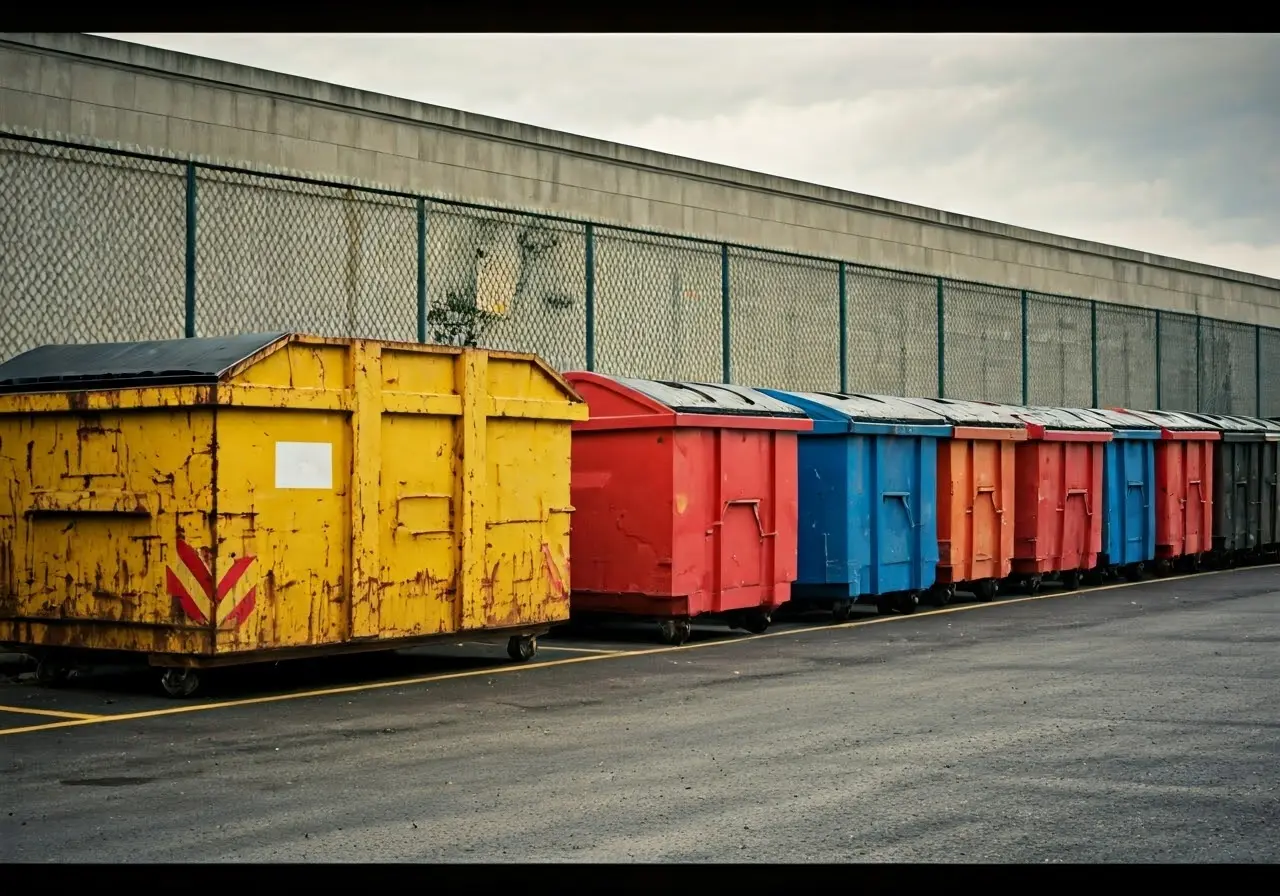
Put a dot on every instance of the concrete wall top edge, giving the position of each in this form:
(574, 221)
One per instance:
(143, 57)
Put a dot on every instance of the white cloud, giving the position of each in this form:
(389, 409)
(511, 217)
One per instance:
(1163, 143)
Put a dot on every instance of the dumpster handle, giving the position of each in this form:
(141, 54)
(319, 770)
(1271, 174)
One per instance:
(1083, 493)
(988, 490)
(905, 498)
(754, 504)
(1199, 490)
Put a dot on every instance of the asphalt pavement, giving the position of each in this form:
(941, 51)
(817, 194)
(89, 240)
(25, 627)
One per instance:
(1135, 724)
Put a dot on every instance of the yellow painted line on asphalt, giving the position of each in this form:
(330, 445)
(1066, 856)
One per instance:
(621, 654)
(56, 713)
(579, 649)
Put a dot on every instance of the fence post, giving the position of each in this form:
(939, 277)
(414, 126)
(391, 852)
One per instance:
(725, 342)
(1159, 374)
(190, 314)
(591, 297)
(1199, 342)
(422, 270)
(1093, 348)
(942, 342)
(1026, 362)
(844, 332)
(1257, 371)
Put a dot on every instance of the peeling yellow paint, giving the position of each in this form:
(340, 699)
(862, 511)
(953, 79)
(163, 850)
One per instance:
(447, 492)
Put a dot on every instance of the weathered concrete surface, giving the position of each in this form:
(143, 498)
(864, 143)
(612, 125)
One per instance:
(92, 87)
(1130, 725)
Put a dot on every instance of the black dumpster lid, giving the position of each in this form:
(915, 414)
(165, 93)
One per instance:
(1234, 423)
(711, 398)
(122, 365)
(969, 413)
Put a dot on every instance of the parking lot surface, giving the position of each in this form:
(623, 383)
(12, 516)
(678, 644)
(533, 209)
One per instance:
(1130, 724)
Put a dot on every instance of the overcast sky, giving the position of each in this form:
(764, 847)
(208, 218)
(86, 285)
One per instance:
(1166, 144)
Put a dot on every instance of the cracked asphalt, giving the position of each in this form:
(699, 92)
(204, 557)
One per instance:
(1136, 724)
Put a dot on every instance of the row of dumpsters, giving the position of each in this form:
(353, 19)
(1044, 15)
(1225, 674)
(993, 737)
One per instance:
(214, 501)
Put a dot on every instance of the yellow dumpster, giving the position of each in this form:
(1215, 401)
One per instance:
(205, 502)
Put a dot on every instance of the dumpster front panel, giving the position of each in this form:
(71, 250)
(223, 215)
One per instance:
(1184, 482)
(975, 507)
(895, 487)
(735, 543)
(624, 502)
(826, 561)
(1129, 512)
(1056, 527)
(1270, 493)
(104, 528)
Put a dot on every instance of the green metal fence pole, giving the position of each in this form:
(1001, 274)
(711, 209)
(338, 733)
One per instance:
(422, 270)
(844, 331)
(591, 297)
(1199, 343)
(190, 315)
(725, 345)
(1093, 349)
(942, 341)
(1159, 376)
(1257, 371)
(1026, 362)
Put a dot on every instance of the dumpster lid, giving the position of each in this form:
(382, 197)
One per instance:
(1060, 419)
(1236, 423)
(874, 408)
(710, 398)
(122, 365)
(1173, 421)
(969, 413)
(1119, 420)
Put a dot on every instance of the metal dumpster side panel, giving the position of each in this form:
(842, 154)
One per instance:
(1057, 520)
(735, 545)
(1184, 487)
(824, 556)
(624, 501)
(90, 526)
(899, 487)
(976, 500)
(1129, 513)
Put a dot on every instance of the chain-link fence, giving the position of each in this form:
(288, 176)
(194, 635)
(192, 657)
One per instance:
(106, 245)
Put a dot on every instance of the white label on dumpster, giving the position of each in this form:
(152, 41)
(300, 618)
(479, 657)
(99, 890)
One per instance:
(304, 465)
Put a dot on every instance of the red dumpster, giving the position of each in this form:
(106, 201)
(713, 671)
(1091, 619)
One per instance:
(1057, 519)
(685, 502)
(1184, 488)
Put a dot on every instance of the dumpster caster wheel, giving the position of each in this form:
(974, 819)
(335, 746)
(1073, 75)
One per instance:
(1133, 572)
(51, 672)
(841, 610)
(884, 606)
(985, 591)
(756, 622)
(1071, 580)
(522, 648)
(179, 682)
(907, 602)
(1032, 585)
(675, 631)
(941, 595)
(1163, 568)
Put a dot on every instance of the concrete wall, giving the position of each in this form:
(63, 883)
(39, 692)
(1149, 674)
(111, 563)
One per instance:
(318, 254)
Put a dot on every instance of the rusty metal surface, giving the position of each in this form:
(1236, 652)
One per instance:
(324, 492)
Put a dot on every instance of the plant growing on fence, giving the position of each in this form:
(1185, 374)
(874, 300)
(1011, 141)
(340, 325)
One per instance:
(458, 320)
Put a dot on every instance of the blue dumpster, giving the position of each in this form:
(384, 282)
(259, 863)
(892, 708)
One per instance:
(868, 501)
(1129, 488)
